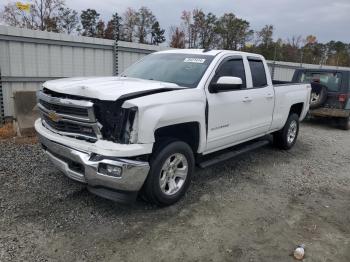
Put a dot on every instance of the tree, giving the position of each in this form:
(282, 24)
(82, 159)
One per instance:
(264, 42)
(291, 49)
(130, 18)
(186, 18)
(177, 38)
(204, 27)
(109, 31)
(199, 28)
(145, 20)
(157, 34)
(68, 20)
(43, 15)
(100, 29)
(337, 53)
(264, 36)
(89, 20)
(233, 32)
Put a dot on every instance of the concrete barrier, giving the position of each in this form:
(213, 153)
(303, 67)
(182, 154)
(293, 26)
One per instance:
(26, 112)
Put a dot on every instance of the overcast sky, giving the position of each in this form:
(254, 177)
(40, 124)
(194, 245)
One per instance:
(327, 19)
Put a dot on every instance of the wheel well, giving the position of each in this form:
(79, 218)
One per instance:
(187, 132)
(297, 109)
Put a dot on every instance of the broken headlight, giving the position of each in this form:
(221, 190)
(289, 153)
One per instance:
(117, 122)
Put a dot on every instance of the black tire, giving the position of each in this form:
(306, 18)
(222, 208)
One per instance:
(344, 123)
(282, 138)
(318, 98)
(163, 151)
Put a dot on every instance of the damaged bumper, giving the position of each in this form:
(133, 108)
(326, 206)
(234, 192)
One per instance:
(82, 163)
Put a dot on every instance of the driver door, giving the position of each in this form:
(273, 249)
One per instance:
(229, 112)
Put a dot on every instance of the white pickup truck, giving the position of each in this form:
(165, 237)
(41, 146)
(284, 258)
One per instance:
(144, 131)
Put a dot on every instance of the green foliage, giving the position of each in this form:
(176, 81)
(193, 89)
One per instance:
(145, 20)
(233, 32)
(89, 20)
(68, 20)
(114, 27)
(157, 34)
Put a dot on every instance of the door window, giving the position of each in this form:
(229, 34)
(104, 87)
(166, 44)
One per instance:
(231, 67)
(258, 73)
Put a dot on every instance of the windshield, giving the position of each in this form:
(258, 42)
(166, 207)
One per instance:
(182, 69)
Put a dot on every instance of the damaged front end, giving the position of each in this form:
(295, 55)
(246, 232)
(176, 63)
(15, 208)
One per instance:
(87, 119)
(117, 123)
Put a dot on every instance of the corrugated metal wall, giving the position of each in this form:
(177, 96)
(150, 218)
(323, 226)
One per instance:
(28, 58)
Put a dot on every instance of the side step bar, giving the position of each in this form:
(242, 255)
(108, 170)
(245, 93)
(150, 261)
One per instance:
(228, 154)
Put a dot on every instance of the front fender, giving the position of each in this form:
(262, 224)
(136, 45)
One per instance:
(169, 108)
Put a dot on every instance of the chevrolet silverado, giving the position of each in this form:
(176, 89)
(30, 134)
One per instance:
(144, 131)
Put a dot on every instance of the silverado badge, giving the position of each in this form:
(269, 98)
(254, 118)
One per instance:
(53, 116)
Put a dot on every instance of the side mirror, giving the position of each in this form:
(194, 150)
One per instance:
(226, 83)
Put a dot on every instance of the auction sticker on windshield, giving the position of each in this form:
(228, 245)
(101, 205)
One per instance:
(194, 60)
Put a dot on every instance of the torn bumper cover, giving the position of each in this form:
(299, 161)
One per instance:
(111, 177)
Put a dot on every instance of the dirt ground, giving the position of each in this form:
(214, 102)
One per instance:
(257, 207)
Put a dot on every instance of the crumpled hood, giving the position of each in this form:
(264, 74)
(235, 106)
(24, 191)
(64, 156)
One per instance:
(107, 88)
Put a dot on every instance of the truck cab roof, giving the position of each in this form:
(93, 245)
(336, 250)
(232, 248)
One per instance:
(207, 52)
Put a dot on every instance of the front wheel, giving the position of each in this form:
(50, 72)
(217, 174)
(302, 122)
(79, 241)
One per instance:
(172, 165)
(287, 136)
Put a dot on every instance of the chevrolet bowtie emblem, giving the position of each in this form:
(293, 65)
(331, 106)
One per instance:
(54, 116)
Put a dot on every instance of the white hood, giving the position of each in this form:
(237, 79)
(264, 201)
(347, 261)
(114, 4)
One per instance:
(105, 88)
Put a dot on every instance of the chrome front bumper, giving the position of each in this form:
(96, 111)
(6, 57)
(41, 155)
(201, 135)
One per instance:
(83, 167)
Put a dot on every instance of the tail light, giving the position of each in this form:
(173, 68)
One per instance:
(342, 98)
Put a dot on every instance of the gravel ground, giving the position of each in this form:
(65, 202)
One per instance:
(257, 207)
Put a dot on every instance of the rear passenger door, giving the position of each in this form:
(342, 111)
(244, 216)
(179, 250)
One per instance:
(262, 95)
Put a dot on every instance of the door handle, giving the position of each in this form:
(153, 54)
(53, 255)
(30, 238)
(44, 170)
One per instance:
(247, 99)
(269, 96)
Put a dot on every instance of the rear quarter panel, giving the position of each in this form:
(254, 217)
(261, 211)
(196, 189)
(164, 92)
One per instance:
(285, 97)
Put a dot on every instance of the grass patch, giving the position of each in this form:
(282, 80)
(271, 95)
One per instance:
(7, 131)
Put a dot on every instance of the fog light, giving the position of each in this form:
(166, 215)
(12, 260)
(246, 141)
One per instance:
(110, 170)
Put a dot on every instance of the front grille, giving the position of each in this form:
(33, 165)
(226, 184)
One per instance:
(68, 117)
(68, 127)
(63, 109)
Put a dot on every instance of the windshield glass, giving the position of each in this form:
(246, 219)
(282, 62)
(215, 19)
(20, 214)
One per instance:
(182, 69)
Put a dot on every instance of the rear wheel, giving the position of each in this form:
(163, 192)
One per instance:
(170, 175)
(287, 136)
(345, 123)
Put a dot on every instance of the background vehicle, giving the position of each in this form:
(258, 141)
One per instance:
(147, 129)
(330, 95)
